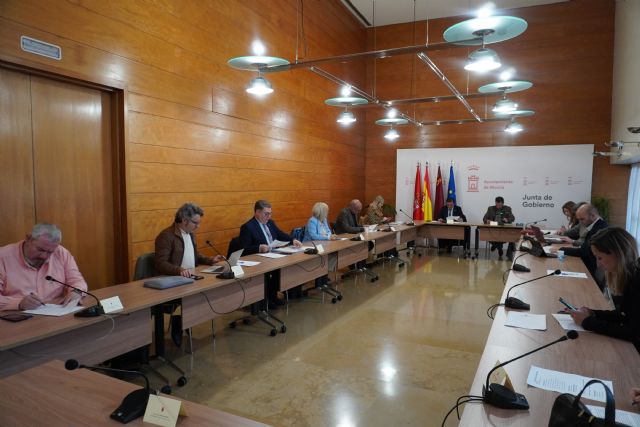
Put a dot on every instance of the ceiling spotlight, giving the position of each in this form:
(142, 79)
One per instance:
(392, 113)
(258, 48)
(391, 135)
(504, 105)
(482, 60)
(346, 118)
(634, 129)
(259, 86)
(345, 91)
(513, 127)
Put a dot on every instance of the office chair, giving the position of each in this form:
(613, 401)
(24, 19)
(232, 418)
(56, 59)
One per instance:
(145, 267)
(262, 314)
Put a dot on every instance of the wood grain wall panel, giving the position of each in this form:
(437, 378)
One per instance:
(571, 70)
(17, 215)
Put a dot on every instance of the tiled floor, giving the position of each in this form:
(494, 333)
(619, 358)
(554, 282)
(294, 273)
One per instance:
(395, 352)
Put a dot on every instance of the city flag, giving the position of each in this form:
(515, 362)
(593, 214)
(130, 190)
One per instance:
(427, 207)
(439, 202)
(451, 192)
(417, 196)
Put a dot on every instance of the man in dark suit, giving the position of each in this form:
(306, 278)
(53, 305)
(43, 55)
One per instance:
(501, 214)
(257, 236)
(589, 217)
(450, 209)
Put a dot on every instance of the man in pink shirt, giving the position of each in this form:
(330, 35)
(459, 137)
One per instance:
(25, 265)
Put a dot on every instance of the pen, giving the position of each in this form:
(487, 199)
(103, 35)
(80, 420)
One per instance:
(37, 299)
(566, 304)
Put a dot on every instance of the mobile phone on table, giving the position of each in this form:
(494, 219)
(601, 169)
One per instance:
(194, 277)
(15, 317)
(566, 304)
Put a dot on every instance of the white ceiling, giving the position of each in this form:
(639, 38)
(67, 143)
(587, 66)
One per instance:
(399, 11)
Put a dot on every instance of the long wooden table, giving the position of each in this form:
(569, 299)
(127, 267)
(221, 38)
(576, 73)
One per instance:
(591, 355)
(52, 396)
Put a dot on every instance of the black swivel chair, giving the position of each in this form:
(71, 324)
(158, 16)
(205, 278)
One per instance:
(145, 267)
(261, 313)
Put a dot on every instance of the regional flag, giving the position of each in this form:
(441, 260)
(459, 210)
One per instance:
(439, 203)
(451, 192)
(427, 207)
(417, 196)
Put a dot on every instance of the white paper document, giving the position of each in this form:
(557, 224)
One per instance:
(562, 382)
(292, 249)
(526, 320)
(566, 322)
(248, 263)
(54, 309)
(629, 418)
(272, 255)
(573, 274)
(278, 244)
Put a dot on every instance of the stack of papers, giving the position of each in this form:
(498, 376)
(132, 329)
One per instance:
(566, 322)
(272, 255)
(573, 274)
(54, 309)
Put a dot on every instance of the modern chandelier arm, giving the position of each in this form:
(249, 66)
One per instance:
(381, 53)
(424, 58)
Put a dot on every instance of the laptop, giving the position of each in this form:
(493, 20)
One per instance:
(536, 248)
(540, 236)
(233, 260)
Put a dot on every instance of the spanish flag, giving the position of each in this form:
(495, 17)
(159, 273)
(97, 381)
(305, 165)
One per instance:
(427, 209)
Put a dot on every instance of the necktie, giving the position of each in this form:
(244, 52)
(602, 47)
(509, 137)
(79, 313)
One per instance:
(268, 233)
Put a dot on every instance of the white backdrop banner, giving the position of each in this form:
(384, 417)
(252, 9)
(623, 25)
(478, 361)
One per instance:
(534, 180)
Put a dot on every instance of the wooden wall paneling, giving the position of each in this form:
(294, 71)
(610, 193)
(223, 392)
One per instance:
(17, 215)
(73, 172)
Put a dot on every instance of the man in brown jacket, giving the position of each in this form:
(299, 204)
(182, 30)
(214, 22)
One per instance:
(176, 249)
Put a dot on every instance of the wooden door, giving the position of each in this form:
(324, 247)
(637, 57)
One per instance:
(68, 145)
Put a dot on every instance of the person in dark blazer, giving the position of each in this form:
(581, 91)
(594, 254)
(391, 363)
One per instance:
(259, 232)
(501, 214)
(616, 252)
(256, 236)
(589, 217)
(450, 209)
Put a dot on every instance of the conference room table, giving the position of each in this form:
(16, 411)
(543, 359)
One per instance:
(50, 395)
(591, 355)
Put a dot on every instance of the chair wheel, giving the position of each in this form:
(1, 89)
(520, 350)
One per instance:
(232, 325)
(273, 332)
(339, 297)
(334, 300)
(246, 321)
(401, 264)
(182, 381)
(283, 329)
(166, 389)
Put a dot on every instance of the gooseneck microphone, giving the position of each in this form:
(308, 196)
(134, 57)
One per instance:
(133, 405)
(533, 223)
(411, 219)
(502, 397)
(227, 274)
(517, 304)
(520, 267)
(93, 311)
(313, 251)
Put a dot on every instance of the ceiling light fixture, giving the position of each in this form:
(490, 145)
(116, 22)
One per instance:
(346, 118)
(259, 86)
(482, 60)
(504, 105)
(513, 127)
(391, 135)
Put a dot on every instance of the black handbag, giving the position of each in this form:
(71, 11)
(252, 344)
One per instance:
(569, 411)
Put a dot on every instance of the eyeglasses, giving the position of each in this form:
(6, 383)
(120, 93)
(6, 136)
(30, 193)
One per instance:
(265, 213)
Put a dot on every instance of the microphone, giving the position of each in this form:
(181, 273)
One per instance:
(520, 267)
(534, 222)
(405, 214)
(227, 274)
(313, 251)
(500, 396)
(517, 304)
(92, 311)
(133, 405)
